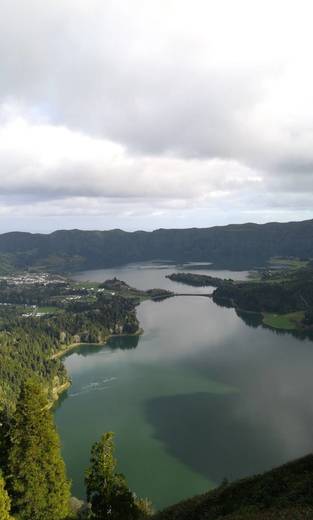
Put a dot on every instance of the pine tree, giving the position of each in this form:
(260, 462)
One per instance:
(37, 482)
(107, 490)
(4, 502)
(5, 423)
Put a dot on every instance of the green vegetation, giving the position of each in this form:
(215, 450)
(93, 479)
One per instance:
(38, 320)
(6, 264)
(289, 321)
(243, 245)
(282, 292)
(48, 309)
(308, 318)
(43, 316)
(5, 502)
(107, 490)
(35, 471)
(25, 351)
(123, 289)
(284, 493)
(35, 484)
(289, 263)
(283, 298)
(198, 280)
(41, 320)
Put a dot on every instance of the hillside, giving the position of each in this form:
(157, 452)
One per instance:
(284, 493)
(234, 245)
(281, 297)
(41, 317)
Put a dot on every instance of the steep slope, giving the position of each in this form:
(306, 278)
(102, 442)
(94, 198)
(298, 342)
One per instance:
(285, 493)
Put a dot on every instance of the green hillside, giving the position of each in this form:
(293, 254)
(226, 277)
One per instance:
(285, 493)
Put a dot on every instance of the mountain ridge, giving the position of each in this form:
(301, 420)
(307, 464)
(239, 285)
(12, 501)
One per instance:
(236, 245)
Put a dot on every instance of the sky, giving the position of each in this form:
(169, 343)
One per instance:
(143, 114)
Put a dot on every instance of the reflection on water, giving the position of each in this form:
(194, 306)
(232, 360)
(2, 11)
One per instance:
(255, 319)
(122, 343)
(225, 447)
(203, 396)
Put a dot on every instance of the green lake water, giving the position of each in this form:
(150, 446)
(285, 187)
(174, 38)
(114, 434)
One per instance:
(199, 397)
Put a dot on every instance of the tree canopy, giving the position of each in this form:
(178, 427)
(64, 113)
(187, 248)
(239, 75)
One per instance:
(37, 481)
(107, 490)
(5, 504)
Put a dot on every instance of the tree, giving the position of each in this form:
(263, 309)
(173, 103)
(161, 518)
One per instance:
(5, 422)
(36, 481)
(107, 490)
(5, 504)
(145, 508)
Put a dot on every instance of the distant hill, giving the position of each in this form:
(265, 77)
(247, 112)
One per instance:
(239, 245)
(285, 493)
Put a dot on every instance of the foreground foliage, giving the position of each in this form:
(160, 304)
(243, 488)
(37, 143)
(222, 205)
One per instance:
(36, 478)
(5, 503)
(34, 483)
(107, 490)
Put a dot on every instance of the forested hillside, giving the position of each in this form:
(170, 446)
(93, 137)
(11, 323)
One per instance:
(235, 245)
(281, 292)
(38, 322)
(33, 480)
(283, 297)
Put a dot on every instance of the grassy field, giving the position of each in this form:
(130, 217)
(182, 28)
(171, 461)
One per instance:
(84, 284)
(283, 321)
(290, 263)
(278, 266)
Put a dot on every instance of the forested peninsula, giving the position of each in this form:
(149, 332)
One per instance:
(43, 316)
(282, 296)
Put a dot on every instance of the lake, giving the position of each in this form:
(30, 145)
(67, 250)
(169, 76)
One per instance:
(199, 397)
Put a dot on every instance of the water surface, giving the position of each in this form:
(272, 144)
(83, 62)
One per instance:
(200, 396)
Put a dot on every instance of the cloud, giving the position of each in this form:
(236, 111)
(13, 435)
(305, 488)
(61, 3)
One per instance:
(53, 162)
(156, 107)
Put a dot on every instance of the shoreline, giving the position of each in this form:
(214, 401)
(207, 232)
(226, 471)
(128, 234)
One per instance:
(58, 390)
(73, 346)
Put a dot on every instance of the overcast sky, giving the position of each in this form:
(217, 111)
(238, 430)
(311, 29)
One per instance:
(142, 114)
